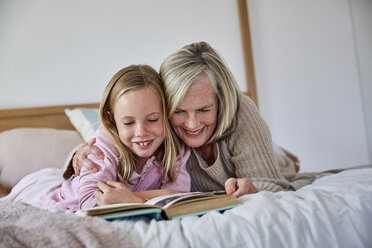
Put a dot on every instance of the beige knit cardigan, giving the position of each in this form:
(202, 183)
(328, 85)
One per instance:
(247, 152)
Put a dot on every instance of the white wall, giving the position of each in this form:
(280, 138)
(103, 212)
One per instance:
(362, 23)
(308, 79)
(312, 60)
(65, 52)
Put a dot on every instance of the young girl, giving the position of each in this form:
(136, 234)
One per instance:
(140, 149)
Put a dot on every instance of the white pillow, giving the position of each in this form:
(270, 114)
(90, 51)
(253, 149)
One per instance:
(85, 121)
(26, 150)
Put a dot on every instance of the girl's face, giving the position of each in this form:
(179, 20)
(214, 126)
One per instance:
(138, 117)
(195, 118)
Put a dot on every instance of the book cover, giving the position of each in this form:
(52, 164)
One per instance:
(168, 207)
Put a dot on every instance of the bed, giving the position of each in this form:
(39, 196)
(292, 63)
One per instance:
(329, 209)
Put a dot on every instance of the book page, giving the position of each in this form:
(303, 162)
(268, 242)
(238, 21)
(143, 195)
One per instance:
(167, 200)
(112, 208)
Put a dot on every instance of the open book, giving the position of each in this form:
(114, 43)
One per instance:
(168, 207)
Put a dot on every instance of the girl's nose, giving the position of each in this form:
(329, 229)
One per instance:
(140, 130)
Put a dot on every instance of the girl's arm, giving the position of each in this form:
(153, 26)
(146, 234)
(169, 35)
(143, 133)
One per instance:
(86, 183)
(116, 192)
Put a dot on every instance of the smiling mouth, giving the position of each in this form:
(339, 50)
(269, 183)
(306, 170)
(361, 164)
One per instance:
(194, 133)
(144, 144)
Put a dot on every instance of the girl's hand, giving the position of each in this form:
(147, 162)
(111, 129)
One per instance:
(239, 186)
(115, 192)
(80, 159)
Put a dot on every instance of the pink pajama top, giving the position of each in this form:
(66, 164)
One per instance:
(77, 192)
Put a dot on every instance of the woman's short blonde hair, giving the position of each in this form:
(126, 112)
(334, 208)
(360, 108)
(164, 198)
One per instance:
(183, 68)
(130, 78)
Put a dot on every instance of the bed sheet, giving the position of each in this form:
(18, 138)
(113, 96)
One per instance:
(333, 211)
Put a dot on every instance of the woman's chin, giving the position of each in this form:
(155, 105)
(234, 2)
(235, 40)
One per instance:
(195, 143)
(194, 140)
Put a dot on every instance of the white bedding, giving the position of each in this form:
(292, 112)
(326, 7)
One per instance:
(334, 211)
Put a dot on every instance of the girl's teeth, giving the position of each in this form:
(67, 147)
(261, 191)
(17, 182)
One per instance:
(144, 143)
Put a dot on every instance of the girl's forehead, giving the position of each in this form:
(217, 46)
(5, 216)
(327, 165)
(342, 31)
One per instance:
(134, 102)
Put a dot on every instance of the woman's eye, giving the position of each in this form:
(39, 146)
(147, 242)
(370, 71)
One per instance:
(203, 110)
(128, 123)
(153, 120)
(178, 112)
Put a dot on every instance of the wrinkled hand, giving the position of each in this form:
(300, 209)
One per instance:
(115, 192)
(80, 159)
(239, 186)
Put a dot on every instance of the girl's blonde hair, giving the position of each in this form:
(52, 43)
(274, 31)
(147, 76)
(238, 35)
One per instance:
(135, 77)
(183, 68)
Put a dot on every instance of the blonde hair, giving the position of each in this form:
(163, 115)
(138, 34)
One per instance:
(183, 68)
(132, 78)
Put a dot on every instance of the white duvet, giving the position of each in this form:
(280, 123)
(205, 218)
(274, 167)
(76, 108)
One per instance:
(334, 211)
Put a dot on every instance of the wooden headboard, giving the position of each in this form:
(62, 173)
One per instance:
(41, 117)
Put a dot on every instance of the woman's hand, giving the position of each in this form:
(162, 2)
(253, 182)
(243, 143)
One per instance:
(239, 186)
(80, 159)
(115, 192)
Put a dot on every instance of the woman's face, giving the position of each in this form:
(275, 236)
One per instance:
(196, 116)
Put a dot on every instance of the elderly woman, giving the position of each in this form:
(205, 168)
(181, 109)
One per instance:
(231, 144)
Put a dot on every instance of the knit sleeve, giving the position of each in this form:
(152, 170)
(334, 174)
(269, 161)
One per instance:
(251, 150)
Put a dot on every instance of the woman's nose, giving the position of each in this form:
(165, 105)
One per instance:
(191, 122)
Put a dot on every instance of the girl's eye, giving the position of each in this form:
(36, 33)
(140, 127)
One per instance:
(153, 120)
(128, 123)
